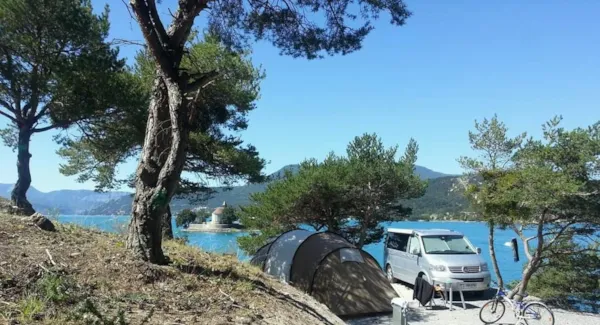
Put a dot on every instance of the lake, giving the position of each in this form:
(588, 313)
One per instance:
(227, 242)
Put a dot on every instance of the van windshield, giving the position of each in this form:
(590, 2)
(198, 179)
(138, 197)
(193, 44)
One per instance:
(446, 244)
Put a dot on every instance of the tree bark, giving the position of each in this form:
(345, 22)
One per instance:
(19, 192)
(167, 226)
(493, 254)
(165, 145)
(149, 204)
(533, 261)
(519, 291)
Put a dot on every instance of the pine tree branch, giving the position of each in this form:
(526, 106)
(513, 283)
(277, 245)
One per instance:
(558, 234)
(16, 93)
(158, 25)
(31, 108)
(525, 241)
(46, 128)
(182, 22)
(142, 12)
(201, 82)
(7, 106)
(46, 108)
(8, 116)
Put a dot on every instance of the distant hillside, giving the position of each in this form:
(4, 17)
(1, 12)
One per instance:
(438, 198)
(238, 195)
(66, 201)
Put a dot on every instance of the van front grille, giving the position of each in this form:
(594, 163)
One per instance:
(471, 269)
(455, 269)
(471, 280)
(464, 269)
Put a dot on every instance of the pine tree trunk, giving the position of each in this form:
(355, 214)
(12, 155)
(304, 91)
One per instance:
(518, 292)
(159, 169)
(167, 226)
(493, 254)
(19, 192)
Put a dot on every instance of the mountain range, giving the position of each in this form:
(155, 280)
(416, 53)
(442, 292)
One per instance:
(65, 201)
(438, 199)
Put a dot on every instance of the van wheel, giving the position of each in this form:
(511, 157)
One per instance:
(425, 277)
(390, 274)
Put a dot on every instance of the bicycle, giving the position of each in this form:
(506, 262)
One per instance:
(523, 311)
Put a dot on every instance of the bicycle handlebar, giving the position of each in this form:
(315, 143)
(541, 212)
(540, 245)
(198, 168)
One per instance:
(524, 295)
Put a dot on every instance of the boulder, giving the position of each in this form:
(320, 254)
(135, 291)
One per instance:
(41, 221)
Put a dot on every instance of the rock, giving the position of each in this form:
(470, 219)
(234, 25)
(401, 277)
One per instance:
(42, 222)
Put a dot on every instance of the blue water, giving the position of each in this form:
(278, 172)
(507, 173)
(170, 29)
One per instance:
(223, 243)
(226, 242)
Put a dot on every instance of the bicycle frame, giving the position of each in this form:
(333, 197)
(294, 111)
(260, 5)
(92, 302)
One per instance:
(516, 306)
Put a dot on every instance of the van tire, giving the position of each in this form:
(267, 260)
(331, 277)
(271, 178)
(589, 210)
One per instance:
(389, 274)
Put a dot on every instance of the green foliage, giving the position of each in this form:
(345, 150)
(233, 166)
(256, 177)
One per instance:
(569, 277)
(347, 195)
(550, 186)
(230, 215)
(303, 29)
(10, 137)
(496, 150)
(54, 288)
(30, 308)
(218, 111)
(185, 217)
(93, 316)
(56, 67)
(376, 182)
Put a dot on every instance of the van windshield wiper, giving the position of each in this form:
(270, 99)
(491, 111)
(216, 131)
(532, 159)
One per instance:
(450, 252)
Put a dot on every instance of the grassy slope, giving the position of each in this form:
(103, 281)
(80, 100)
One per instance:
(91, 274)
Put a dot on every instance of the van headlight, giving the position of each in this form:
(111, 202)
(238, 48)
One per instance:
(439, 268)
(484, 267)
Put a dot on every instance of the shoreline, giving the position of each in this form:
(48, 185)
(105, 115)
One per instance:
(216, 230)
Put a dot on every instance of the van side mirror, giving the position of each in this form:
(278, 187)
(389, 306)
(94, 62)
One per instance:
(416, 251)
(478, 249)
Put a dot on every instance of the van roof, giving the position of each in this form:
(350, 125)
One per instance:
(424, 232)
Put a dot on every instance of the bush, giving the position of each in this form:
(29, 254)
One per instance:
(54, 288)
(570, 281)
(229, 215)
(185, 217)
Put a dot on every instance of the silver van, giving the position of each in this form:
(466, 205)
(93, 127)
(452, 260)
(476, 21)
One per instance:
(435, 254)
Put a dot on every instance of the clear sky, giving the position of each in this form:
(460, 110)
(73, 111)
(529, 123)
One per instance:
(453, 62)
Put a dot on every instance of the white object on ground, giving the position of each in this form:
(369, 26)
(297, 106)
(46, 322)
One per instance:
(400, 310)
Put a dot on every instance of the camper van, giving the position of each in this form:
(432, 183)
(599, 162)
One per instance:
(435, 254)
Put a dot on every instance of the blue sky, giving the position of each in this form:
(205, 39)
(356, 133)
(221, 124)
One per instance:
(453, 62)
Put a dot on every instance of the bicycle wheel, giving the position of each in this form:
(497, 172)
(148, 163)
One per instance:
(538, 313)
(492, 311)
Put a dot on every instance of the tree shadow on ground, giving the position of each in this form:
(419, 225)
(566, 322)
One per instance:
(259, 285)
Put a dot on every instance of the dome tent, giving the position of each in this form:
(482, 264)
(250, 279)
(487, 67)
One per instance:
(346, 279)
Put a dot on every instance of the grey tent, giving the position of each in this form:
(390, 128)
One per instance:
(346, 279)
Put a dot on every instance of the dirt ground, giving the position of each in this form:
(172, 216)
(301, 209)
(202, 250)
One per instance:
(81, 276)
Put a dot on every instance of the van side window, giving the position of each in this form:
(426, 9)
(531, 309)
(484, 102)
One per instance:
(398, 241)
(413, 245)
(392, 241)
(403, 241)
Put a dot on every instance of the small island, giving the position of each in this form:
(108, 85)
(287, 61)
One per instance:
(222, 219)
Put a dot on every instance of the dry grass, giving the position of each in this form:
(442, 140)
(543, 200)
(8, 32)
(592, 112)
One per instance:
(82, 276)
